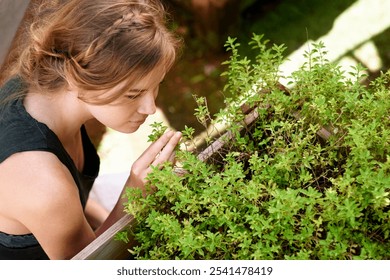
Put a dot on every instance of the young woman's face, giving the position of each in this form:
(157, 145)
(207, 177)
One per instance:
(129, 111)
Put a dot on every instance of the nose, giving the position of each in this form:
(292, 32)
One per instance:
(148, 104)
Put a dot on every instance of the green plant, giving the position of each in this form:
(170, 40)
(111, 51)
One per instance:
(158, 129)
(281, 188)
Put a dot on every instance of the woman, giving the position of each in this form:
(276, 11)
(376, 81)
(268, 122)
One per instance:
(100, 59)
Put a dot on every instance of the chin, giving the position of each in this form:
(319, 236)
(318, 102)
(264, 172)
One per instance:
(127, 129)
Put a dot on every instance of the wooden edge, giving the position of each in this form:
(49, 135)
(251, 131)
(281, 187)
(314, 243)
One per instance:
(105, 247)
(216, 130)
(24, 14)
(249, 119)
(226, 137)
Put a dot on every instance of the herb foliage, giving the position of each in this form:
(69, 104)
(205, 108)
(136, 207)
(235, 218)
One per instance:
(280, 189)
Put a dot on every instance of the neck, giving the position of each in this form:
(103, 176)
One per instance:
(63, 113)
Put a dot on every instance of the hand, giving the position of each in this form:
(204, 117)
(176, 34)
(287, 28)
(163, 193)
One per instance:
(160, 151)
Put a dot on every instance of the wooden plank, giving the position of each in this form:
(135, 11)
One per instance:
(12, 14)
(226, 137)
(105, 247)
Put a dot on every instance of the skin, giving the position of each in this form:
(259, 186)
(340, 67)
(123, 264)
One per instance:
(49, 206)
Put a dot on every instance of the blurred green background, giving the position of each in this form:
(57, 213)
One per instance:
(288, 22)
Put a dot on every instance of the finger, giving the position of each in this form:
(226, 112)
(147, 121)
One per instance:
(172, 157)
(149, 155)
(167, 153)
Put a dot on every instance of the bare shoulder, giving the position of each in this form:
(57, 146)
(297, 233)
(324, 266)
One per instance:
(38, 190)
(32, 174)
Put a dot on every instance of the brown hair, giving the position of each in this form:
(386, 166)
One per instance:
(95, 45)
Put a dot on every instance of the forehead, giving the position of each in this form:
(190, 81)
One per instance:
(149, 80)
(139, 81)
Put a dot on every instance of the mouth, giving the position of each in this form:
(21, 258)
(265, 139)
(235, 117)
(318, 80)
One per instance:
(138, 122)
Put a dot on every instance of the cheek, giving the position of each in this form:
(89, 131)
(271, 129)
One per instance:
(113, 116)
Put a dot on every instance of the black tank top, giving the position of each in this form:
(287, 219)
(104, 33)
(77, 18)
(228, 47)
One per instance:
(19, 132)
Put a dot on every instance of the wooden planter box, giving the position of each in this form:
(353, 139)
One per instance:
(106, 247)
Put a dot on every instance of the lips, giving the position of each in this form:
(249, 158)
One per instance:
(138, 122)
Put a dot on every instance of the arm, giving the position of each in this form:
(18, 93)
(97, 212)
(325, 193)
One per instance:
(96, 214)
(39, 195)
(158, 152)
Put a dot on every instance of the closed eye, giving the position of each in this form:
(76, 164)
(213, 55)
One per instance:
(136, 94)
(132, 97)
